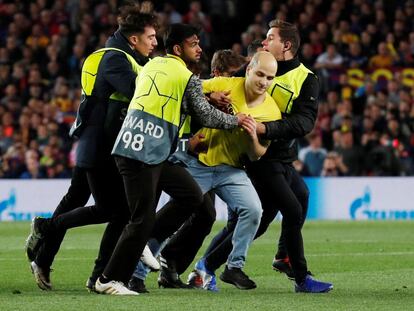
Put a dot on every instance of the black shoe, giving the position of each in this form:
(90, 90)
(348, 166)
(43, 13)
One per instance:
(238, 278)
(90, 285)
(283, 266)
(137, 285)
(168, 277)
(42, 276)
(171, 280)
(35, 238)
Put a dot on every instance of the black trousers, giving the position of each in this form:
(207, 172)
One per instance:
(187, 228)
(279, 187)
(78, 195)
(142, 184)
(106, 186)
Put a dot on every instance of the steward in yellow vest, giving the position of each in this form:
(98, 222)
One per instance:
(166, 92)
(150, 130)
(296, 91)
(108, 83)
(89, 92)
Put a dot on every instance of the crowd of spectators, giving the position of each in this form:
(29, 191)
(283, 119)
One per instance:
(362, 51)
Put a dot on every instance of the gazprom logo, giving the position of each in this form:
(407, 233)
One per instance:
(8, 203)
(361, 209)
(10, 211)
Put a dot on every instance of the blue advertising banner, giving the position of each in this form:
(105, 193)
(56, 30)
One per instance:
(330, 198)
(370, 198)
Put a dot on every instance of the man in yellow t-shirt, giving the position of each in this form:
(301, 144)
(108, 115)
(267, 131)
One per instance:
(222, 148)
(221, 166)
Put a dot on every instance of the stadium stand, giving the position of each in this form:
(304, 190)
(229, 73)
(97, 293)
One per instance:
(362, 51)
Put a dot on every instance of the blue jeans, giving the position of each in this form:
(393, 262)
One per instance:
(234, 187)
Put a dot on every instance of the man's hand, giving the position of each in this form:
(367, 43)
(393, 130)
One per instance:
(197, 145)
(249, 125)
(257, 148)
(220, 99)
(240, 118)
(260, 128)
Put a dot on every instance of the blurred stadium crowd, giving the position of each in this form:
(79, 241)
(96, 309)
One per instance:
(362, 51)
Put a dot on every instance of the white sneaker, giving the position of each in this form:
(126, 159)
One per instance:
(113, 288)
(42, 276)
(148, 259)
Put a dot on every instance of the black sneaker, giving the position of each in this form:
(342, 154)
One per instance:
(171, 280)
(283, 266)
(90, 285)
(35, 238)
(168, 277)
(137, 285)
(42, 276)
(238, 278)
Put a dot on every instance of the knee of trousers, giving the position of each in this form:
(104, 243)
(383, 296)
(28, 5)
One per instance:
(207, 214)
(143, 218)
(197, 199)
(264, 224)
(73, 200)
(117, 223)
(293, 220)
(253, 212)
(204, 228)
(194, 199)
(304, 193)
(204, 220)
(139, 225)
(102, 214)
(208, 220)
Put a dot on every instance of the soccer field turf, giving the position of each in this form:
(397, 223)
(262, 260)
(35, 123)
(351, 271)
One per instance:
(370, 263)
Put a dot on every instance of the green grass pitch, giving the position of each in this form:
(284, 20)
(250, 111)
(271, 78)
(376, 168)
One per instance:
(370, 263)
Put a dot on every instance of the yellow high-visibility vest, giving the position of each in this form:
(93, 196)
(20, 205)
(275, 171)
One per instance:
(88, 78)
(286, 88)
(151, 128)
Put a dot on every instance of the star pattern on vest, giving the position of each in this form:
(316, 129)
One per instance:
(153, 87)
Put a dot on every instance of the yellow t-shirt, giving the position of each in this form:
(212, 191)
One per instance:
(228, 146)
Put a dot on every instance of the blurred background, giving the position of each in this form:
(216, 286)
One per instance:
(362, 51)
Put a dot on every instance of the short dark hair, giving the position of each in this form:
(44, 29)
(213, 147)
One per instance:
(252, 47)
(131, 20)
(224, 59)
(287, 32)
(177, 33)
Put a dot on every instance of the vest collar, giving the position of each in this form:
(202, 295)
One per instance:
(287, 65)
(177, 58)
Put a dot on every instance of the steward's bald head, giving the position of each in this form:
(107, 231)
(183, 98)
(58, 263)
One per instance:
(264, 60)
